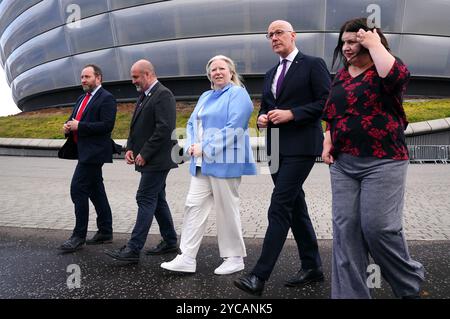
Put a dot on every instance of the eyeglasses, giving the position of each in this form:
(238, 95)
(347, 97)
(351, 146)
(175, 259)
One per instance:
(278, 33)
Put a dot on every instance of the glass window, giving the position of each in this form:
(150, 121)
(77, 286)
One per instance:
(433, 18)
(164, 57)
(119, 4)
(14, 92)
(11, 9)
(8, 74)
(426, 55)
(45, 77)
(179, 19)
(41, 49)
(2, 56)
(143, 24)
(394, 43)
(95, 33)
(304, 15)
(38, 19)
(105, 59)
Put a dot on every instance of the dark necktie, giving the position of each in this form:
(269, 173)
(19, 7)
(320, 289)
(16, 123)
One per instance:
(139, 104)
(140, 99)
(281, 77)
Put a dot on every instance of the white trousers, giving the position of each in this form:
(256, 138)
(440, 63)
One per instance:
(206, 193)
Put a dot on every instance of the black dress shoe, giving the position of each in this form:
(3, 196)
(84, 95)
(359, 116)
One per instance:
(72, 244)
(305, 276)
(100, 238)
(162, 248)
(250, 284)
(124, 254)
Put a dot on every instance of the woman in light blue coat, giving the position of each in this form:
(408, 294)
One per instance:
(219, 145)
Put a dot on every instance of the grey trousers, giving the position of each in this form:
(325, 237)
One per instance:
(367, 208)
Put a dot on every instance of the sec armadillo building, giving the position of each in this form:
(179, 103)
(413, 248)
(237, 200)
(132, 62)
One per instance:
(45, 43)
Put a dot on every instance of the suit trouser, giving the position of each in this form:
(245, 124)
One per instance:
(87, 183)
(367, 206)
(151, 201)
(206, 193)
(288, 209)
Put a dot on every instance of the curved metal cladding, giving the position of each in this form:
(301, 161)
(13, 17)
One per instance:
(43, 50)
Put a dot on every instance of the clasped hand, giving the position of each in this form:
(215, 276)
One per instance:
(276, 117)
(195, 150)
(71, 125)
(139, 160)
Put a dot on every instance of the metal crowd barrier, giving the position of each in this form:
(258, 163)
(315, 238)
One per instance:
(429, 153)
(417, 154)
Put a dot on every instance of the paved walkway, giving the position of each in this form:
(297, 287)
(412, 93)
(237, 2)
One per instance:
(31, 267)
(34, 192)
(36, 215)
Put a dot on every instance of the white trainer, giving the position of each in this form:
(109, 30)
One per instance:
(181, 264)
(230, 266)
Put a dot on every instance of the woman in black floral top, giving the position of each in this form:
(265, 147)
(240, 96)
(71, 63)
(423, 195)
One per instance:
(366, 150)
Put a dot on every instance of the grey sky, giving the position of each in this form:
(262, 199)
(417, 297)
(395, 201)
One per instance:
(7, 105)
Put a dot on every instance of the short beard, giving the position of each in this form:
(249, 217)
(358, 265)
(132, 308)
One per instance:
(138, 88)
(87, 88)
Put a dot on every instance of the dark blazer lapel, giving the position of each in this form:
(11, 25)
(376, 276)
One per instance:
(91, 103)
(292, 70)
(270, 79)
(146, 100)
(76, 108)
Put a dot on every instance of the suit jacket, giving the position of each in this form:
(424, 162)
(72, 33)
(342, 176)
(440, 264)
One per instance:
(151, 130)
(94, 129)
(304, 90)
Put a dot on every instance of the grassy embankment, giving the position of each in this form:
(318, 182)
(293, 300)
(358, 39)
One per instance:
(48, 123)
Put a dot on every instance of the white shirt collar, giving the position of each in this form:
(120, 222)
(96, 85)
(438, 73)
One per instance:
(95, 90)
(291, 55)
(150, 88)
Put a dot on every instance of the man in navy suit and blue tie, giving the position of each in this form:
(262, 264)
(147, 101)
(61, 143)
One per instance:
(90, 126)
(294, 94)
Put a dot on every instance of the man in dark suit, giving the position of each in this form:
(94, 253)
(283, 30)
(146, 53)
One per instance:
(149, 148)
(90, 126)
(294, 94)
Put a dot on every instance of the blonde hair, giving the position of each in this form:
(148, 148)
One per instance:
(235, 77)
